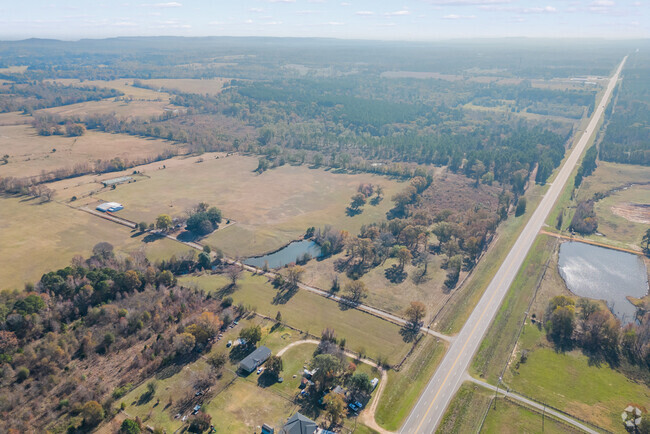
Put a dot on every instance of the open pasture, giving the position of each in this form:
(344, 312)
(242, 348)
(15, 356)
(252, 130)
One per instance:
(117, 107)
(123, 85)
(37, 238)
(210, 86)
(270, 209)
(30, 154)
(14, 118)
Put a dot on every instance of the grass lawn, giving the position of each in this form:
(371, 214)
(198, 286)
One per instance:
(313, 313)
(512, 418)
(570, 382)
(30, 154)
(466, 410)
(37, 238)
(270, 209)
(404, 387)
(501, 337)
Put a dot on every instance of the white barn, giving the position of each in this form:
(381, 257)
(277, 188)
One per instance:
(110, 207)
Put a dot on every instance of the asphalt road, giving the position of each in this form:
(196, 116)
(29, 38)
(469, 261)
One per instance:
(430, 408)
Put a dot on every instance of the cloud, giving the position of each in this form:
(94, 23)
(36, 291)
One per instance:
(458, 17)
(165, 5)
(256, 10)
(605, 3)
(467, 2)
(540, 10)
(364, 13)
(397, 13)
(334, 23)
(280, 1)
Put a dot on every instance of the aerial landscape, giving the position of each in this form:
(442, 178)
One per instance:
(319, 217)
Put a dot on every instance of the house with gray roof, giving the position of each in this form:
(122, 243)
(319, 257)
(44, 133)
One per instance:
(254, 359)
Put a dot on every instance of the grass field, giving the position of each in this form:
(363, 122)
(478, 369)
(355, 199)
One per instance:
(30, 154)
(512, 418)
(270, 209)
(313, 313)
(404, 387)
(568, 381)
(466, 410)
(37, 238)
(14, 118)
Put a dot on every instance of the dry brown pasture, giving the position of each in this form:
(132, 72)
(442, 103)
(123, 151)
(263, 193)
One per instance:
(30, 154)
(210, 86)
(119, 108)
(123, 85)
(39, 237)
(14, 118)
(270, 209)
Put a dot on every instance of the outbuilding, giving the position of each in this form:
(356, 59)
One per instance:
(109, 207)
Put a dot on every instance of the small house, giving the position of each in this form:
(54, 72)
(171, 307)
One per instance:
(254, 359)
(299, 424)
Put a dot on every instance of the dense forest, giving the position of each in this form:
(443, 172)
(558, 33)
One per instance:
(32, 96)
(626, 137)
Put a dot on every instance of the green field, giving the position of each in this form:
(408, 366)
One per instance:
(270, 209)
(313, 313)
(404, 387)
(466, 410)
(511, 418)
(37, 238)
(569, 381)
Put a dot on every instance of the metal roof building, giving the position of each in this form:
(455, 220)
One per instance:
(110, 207)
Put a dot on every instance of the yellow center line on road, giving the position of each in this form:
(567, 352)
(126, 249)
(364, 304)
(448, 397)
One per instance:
(466, 342)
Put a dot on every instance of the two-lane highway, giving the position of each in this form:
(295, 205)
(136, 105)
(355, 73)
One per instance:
(429, 410)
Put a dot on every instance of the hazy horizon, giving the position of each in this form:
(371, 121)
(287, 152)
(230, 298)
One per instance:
(410, 20)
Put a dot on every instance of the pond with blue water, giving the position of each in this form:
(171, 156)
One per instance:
(286, 255)
(604, 274)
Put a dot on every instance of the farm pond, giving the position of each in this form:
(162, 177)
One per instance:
(604, 274)
(290, 253)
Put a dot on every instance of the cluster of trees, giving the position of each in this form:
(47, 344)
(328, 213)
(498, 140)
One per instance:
(31, 96)
(56, 338)
(584, 220)
(203, 219)
(588, 165)
(48, 125)
(364, 192)
(597, 332)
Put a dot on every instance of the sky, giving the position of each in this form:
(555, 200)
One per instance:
(348, 19)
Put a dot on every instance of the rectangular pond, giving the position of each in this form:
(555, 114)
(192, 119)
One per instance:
(604, 274)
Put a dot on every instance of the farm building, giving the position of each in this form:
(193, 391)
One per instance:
(255, 359)
(110, 207)
(116, 181)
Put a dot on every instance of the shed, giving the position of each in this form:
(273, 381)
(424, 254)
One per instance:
(116, 181)
(255, 359)
(110, 207)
